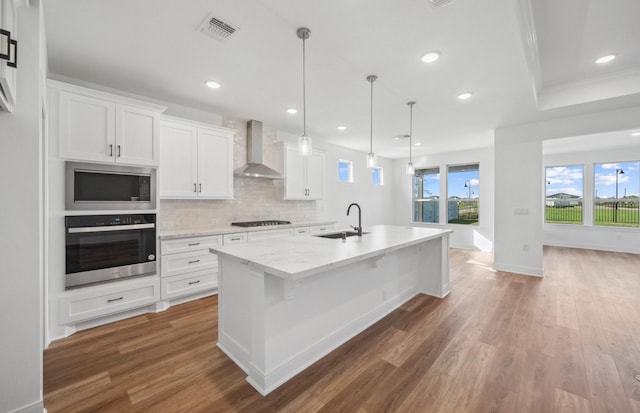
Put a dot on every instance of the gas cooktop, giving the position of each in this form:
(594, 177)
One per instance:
(260, 223)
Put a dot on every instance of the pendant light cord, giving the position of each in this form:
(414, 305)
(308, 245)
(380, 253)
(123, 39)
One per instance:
(371, 139)
(410, 128)
(304, 92)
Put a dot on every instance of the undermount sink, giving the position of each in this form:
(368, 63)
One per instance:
(338, 235)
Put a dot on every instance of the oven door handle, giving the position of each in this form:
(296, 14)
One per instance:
(112, 228)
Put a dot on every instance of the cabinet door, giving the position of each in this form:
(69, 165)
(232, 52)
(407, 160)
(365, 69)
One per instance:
(215, 164)
(294, 184)
(87, 128)
(315, 175)
(136, 136)
(178, 160)
(8, 19)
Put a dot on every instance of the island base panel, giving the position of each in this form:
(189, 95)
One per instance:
(274, 328)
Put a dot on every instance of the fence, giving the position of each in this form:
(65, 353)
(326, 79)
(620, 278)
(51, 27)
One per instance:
(609, 212)
(459, 211)
(622, 212)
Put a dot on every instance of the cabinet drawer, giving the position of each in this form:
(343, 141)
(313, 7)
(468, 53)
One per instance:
(321, 229)
(270, 234)
(187, 262)
(109, 299)
(191, 283)
(190, 244)
(236, 238)
(301, 231)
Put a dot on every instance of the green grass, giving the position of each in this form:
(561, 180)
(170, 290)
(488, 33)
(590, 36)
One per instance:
(626, 217)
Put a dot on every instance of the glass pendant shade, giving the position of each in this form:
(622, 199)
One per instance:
(304, 145)
(372, 161)
(410, 170)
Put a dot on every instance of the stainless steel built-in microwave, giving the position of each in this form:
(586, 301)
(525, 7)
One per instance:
(109, 187)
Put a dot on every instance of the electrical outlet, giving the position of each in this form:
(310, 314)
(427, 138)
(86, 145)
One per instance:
(525, 247)
(384, 294)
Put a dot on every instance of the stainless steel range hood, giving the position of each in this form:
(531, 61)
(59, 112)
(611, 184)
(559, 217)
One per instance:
(254, 167)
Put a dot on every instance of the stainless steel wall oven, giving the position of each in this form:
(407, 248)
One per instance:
(102, 248)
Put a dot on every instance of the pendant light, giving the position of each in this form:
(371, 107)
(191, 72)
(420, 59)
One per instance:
(304, 141)
(410, 170)
(371, 157)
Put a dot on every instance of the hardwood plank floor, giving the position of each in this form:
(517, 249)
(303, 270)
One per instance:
(500, 342)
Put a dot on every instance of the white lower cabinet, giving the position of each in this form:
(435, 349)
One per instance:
(321, 229)
(102, 300)
(301, 231)
(235, 238)
(188, 283)
(271, 234)
(187, 267)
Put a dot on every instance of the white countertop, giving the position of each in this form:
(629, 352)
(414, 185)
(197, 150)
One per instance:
(228, 229)
(299, 257)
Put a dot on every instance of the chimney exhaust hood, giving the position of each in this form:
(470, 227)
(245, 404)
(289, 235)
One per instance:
(254, 167)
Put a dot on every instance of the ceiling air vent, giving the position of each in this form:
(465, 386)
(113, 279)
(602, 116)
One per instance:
(217, 28)
(437, 3)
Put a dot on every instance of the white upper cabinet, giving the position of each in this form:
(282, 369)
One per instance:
(196, 160)
(100, 127)
(8, 47)
(304, 175)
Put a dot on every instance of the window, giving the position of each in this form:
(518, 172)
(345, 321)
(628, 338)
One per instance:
(426, 195)
(463, 194)
(345, 171)
(378, 178)
(563, 195)
(616, 194)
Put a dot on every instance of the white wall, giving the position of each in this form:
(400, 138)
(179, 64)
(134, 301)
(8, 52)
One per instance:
(618, 239)
(21, 280)
(377, 202)
(520, 181)
(464, 236)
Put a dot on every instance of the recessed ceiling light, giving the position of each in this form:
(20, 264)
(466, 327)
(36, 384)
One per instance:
(635, 134)
(430, 57)
(212, 84)
(417, 144)
(341, 127)
(465, 95)
(605, 59)
(292, 111)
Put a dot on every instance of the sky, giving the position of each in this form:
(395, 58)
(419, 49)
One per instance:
(605, 179)
(570, 180)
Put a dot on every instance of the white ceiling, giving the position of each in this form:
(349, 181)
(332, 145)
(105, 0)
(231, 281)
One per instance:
(524, 62)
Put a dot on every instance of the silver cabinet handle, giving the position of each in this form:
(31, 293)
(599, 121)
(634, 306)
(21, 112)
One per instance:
(236, 239)
(199, 187)
(194, 282)
(119, 151)
(194, 261)
(110, 150)
(195, 187)
(193, 244)
(115, 299)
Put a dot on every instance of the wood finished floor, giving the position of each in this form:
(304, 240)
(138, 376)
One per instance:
(500, 342)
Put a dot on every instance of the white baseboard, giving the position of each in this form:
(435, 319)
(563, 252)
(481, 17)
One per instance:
(630, 249)
(518, 269)
(37, 407)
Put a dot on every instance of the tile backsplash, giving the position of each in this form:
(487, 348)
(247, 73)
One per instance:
(255, 199)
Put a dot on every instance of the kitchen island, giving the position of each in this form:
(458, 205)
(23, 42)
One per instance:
(285, 303)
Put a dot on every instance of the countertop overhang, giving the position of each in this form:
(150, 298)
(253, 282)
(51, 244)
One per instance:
(300, 257)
